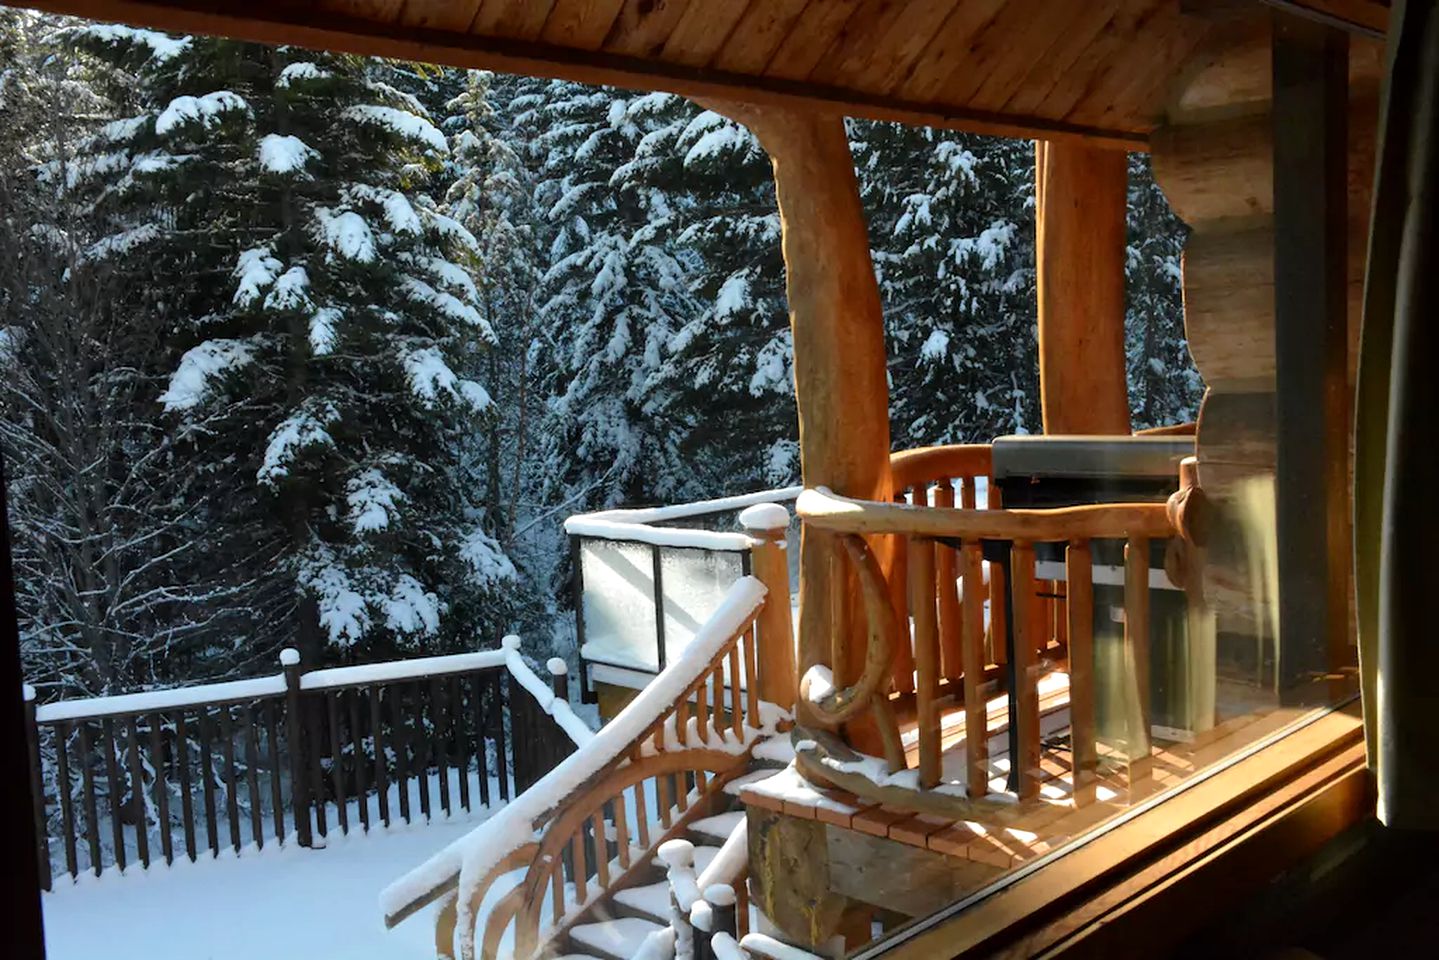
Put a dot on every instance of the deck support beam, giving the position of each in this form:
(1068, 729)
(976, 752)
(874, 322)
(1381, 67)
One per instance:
(1081, 193)
(840, 377)
(1310, 63)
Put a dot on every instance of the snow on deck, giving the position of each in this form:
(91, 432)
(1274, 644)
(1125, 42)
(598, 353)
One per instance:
(282, 903)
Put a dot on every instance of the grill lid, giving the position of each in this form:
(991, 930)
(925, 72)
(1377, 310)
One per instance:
(1090, 456)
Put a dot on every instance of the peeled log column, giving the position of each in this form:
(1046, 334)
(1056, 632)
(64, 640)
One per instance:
(839, 355)
(1081, 193)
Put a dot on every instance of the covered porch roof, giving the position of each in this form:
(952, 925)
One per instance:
(1051, 69)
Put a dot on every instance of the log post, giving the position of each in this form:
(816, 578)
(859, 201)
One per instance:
(294, 733)
(840, 378)
(769, 563)
(1081, 193)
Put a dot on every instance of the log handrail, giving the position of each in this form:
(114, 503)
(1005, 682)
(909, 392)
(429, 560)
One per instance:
(827, 510)
(704, 730)
(913, 468)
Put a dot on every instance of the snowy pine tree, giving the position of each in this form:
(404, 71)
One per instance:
(325, 305)
(613, 296)
(1164, 387)
(951, 221)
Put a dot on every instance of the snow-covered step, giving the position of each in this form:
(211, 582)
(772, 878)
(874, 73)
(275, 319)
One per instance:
(615, 939)
(649, 902)
(715, 829)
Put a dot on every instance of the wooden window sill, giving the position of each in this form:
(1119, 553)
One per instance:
(1162, 871)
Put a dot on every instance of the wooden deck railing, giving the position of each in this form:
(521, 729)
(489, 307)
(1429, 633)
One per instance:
(288, 756)
(662, 762)
(937, 582)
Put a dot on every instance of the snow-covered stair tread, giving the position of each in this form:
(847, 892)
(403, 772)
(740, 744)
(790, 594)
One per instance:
(719, 827)
(652, 900)
(619, 937)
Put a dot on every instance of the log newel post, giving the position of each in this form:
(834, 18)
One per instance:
(777, 682)
(559, 678)
(294, 727)
(37, 787)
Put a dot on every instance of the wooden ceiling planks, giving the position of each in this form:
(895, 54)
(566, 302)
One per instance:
(758, 35)
(903, 43)
(1010, 43)
(948, 49)
(1059, 60)
(642, 26)
(516, 19)
(580, 23)
(454, 15)
(1142, 87)
(703, 30)
(1094, 69)
(810, 38)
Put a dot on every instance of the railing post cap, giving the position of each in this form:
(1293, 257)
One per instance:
(764, 517)
(720, 895)
(27, 691)
(557, 666)
(677, 853)
(510, 642)
(289, 657)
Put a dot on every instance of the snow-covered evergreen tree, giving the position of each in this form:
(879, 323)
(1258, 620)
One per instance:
(612, 298)
(735, 353)
(323, 305)
(1164, 387)
(951, 220)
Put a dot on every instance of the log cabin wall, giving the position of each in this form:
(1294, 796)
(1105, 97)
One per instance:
(1214, 158)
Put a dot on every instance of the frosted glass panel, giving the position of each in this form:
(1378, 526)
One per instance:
(619, 602)
(695, 581)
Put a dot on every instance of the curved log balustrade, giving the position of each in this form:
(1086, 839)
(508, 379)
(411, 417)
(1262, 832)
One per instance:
(956, 659)
(671, 772)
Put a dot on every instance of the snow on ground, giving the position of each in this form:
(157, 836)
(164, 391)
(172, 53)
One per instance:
(285, 903)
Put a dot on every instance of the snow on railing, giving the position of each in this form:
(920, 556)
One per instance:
(471, 859)
(642, 525)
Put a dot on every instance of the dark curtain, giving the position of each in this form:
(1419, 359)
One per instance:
(1396, 498)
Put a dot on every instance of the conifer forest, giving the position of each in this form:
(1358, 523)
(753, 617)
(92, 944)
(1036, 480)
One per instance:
(305, 349)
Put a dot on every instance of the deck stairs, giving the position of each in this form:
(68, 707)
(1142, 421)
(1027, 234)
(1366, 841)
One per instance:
(616, 924)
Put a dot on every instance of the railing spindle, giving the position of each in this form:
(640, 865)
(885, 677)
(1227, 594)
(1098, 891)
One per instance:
(337, 760)
(976, 732)
(642, 817)
(903, 672)
(926, 657)
(272, 743)
(207, 783)
(357, 749)
(751, 679)
(1136, 638)
(377, 734)
(137, 791)
(1079, 574)
(314, 748)
(602, 851)
(112, 780)
(622, 831)
(950, 640)
(92, 811)
(232, 798)
(395, 699)
(252, 775)
(998, 614)
(67, 802)
(735, 719)
(702, 711)
(499, 717)
(1025, 696)
(182, 770)
(458, 739)
(157, 762)
(482, 757)
(440, 738)
(582, 864)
